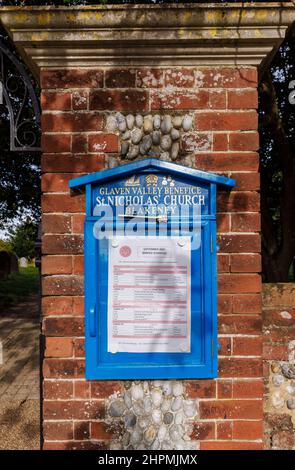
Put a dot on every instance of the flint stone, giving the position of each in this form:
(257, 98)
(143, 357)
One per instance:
(157, 121)
(117, 408)
(111, 124)
(143, 422)
(175, 134)
(177, 121)
(148, 124)
(150, 434)
(138, 408)
(288, 371)
(124, 148)
(177, 389)
(136, 135)
(168, 418)
(133, 152)
(166, 124)
(156, 137)
(162, 432)
(113, 162)
(156, 416)
(187, 123)
(157, 398)
(130, 420)
(155, 445)
(165, 157)
(139, 120)
(130, 121)
(126, 135)
(176, 432)
(278, 380)
(167, 388)
(127, 399)
(176, 404)
(175, 150)
(291, 404)
(137, 392)
(189, 408)
(136, 437)
(166, 142)
(166, 404)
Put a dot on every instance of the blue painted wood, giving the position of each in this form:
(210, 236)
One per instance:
(201, 362)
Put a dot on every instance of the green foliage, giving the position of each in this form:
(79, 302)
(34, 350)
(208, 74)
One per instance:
(19, 285)
(23, 240)
(5, 245)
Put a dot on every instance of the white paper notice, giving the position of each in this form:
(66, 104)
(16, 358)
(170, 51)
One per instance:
(149, 301)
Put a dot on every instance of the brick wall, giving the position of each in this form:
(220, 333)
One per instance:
(279, 365)
(223, 104)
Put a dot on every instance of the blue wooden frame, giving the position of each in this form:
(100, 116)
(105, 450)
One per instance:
(201, 362)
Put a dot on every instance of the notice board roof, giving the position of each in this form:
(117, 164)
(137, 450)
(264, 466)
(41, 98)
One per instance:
(150, 164)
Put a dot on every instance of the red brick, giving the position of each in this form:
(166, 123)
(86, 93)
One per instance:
(56, 101)
(59, 347)
(203, 431)
(247, 303)
(63, 368)
(57, 389)
(246, 181)
(231, 445)
(149, 78)
(249, 263)
(179, 100)
(58, 430)
(56, 265)
(53, 223)
(222, 263)
(220, 142)
(79, 347)
(200, 388)
(275, 352)
(192, 142)
(248, 430)
(63, 203)
(244, 346)
(244, 141)
(78, 264)
(78, 409)
(81, 430)
(72, 163)
(72, 78)
(224, 346)
(120, 78)
(223, 223)
(239, 283)
(225, 430)
(233, 324)
(238, 201)
(82, 389)
(248, 388)
(224, 303)
(74, 445)
(239, 243)
(118, 100)
(231, 409)
(78, 223)
(245, 222)
(72, 122)
(62, 244)
(104, 389)
(103, 143)
(63, 285)
(79, 143)
(101, 430)
(57, 306)
(228, 121)
(67, 326)
(56, 143)
(239, 367)
(52, 182)
(80, 100)
(222, 162)
(224, 388)
(217, 99)
(229, 77)
(278, 318)
(242, 99)
(183, 78)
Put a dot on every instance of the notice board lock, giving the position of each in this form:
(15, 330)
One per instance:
(150, 271)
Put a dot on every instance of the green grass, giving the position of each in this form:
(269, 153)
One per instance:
(19, 285)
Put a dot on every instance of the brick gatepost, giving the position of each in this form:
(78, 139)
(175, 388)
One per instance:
(215, 82)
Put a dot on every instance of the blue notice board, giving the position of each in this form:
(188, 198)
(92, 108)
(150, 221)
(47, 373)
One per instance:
(150, 271)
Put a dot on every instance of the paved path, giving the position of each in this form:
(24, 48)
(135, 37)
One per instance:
(19, 377)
